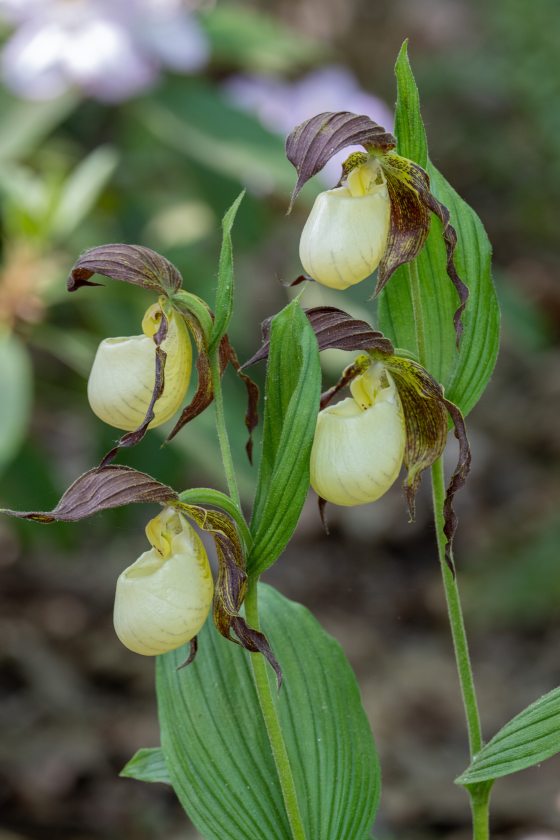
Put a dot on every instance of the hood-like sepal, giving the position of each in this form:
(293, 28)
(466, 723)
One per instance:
(231, 586)
(333, 329)
(130, 263)
(314, 142)
(101, 489)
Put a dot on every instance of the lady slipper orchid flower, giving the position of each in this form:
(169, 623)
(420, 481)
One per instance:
(380, 217)
(123, 377)
(345, 236)
(163, 599)
(359, 443)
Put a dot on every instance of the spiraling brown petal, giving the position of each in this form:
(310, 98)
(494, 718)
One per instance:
(313, 143)
(100, 489)
(411, 204)
(426, 411)
(231, 586)
(130, 263)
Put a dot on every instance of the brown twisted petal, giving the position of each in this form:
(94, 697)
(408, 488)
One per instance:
(426, 413)
(411, 205)
(231, 586)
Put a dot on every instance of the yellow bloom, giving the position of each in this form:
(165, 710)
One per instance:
(164, 598)
(122, 379)
(359, 443)
(346, 233)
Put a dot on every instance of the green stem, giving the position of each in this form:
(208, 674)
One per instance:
(221, 428)
(480, 803)
(479, 794)
(456, 617)
(272, 721)
(414, 278)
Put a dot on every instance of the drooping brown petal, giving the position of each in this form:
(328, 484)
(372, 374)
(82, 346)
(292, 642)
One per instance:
(426, 411)
(132, 438)
(130, 263)
(100, 489)
(313, 143)
(256, 642)
(411, 204)
(193, 644)
(204, 393)
(334, 329)
(457, 480)
(231, 586)
(251, 415)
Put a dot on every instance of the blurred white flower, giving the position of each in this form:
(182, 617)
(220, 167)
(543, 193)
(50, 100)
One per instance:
(111, 49)
(281, 105)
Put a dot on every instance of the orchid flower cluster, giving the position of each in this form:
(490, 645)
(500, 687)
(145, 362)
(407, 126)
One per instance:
(376, 218)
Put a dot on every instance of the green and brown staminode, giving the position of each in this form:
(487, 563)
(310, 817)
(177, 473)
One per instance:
(378, 216)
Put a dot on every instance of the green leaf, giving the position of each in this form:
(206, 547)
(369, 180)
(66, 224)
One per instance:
(466, 372)
(215, 742)
(292, 394)
(147, 765)
(16, 393)
(224, 293)
(409, 126)
(528, 739)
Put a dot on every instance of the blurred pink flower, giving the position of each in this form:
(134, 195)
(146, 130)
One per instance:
(111, 49)
(281, 105)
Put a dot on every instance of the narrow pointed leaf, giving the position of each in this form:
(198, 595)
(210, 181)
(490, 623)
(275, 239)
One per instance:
(100, 489)
(465, 372)
(147, 765)
(293, 389)
(528, 739)
(216, 747)
(224, 293)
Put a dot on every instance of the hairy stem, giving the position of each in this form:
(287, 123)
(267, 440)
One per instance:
(269, 711)
(221, 428)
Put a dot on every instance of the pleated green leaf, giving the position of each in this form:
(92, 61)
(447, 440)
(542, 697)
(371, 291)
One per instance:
(147, 765)
(293, 390)
(224, 293)
(528, 739)
(464, 373)
(216, 747)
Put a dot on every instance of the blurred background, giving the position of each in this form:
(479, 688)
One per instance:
(140, 121)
